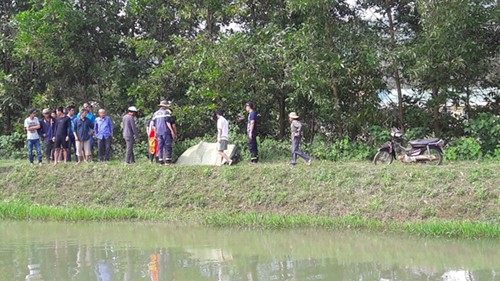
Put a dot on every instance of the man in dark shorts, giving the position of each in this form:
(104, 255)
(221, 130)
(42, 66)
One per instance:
(252, 132)
(62, 127)
(222, 136)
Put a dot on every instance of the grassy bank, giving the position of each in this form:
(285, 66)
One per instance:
(456, 199)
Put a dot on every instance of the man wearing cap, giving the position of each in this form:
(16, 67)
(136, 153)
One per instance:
(252, 132)
(130, 133)
(90, 116)
(103, 129)
(32, 125)
(296, 130)
(160, 128)
(47, 134)
(62, 129)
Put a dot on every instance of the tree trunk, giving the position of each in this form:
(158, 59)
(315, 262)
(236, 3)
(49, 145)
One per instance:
(210, 23)
(282, 115)
(253, 11)
(336, 108)
(435, 110)
(312, 129)
(396, 71)
(467, 101)
(9, 121)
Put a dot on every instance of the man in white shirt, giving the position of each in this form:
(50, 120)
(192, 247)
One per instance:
(222, 136)
(32, 125)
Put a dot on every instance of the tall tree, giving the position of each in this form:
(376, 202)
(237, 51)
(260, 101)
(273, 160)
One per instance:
(452, 52)
(397, 25)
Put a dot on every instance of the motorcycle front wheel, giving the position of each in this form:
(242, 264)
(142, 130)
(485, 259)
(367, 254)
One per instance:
(382, 158)
(435, 155)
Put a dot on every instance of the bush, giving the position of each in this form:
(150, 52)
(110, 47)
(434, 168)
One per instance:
(417, 133)
(342, 149)
(269, 149)
(486, 129)
(273, 150)
(13, 146)
(464, 149)
(378, 135)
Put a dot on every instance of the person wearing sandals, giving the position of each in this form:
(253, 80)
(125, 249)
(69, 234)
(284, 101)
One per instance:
(222, 136)
(296, 130)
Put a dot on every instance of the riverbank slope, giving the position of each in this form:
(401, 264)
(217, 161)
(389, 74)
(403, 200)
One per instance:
(352, 194)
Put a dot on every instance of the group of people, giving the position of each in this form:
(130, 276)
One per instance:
(64, 130)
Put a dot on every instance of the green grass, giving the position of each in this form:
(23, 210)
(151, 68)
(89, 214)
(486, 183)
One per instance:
(24, 211)
(458, 199)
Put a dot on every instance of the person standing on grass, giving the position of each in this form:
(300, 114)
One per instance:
(130, 134)
(89, 106)
(62, 129)
(47, 134)
(296, 130)
(53, 114)
(252, 132)
(152, 141)
(222, 136)
(32, 125)
(83, 131)
(160, 128)
(170, 136)
(71, 143)
(103, 129)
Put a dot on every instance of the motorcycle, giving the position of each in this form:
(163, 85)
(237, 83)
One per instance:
(421, 151)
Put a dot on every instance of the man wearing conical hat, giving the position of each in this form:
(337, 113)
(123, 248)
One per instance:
(160, 128)
(296, 129)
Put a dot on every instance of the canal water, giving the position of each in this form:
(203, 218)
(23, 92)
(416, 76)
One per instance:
(150, 251)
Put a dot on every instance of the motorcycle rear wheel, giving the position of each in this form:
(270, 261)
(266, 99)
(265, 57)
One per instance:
(383, 158)
(434, 153)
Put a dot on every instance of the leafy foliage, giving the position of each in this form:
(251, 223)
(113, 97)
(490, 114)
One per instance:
(464, 149)
(12, 146)
(486, 129)
(324, 60)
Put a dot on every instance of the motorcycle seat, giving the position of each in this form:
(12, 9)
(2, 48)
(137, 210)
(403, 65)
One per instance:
(424, 142)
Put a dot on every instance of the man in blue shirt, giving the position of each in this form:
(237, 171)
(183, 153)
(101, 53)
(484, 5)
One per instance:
(71, 143)
(103, 129)
(47, 133)
(89, 107)
(252, 132)
(160, 125)
(83, 130)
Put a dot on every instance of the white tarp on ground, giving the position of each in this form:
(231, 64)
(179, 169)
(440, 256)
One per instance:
(204, 154)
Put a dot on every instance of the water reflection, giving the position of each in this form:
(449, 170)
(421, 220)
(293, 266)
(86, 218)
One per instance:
(34, 273)
(103, 252)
